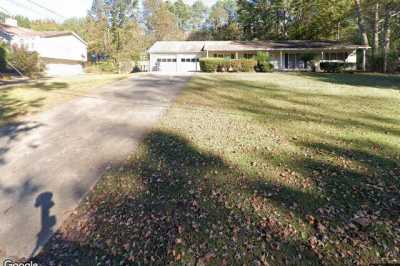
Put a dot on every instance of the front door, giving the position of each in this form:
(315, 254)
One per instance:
(290, 61)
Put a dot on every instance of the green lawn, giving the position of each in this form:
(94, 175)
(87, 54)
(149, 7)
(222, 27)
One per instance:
(22, 99)
(253, 169)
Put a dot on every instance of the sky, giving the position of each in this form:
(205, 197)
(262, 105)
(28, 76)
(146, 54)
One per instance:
(63, 8)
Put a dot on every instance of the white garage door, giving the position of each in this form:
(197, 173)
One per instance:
(167, 64)
(189, 64)
(64, 69)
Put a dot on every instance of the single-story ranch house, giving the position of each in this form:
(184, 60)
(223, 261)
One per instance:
(183, 56)
(62, 52)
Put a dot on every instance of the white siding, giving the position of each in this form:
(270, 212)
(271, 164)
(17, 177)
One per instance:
(62, 47)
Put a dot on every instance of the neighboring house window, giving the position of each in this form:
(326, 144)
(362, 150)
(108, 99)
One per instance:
(219, 55)
(248, 56)
(182, 59)
(232, 56)
(194, 60)
(159, 60)
(174, 60)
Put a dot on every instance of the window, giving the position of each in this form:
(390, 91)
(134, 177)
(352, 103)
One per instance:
(219, 55)
(194, 60)
(248, 56)
(182, 59)
(232, 56)
(187, 59)
(174, 60)
(163, 60)
(159, 60)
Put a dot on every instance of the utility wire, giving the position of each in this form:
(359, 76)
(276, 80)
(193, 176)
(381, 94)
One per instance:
(43, 8)
(47, 9)
(5, 11)
(19, 5)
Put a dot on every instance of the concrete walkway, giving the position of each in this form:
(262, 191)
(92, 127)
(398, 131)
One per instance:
(50, 161)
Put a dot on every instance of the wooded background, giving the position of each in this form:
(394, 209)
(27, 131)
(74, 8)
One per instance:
(122, 29)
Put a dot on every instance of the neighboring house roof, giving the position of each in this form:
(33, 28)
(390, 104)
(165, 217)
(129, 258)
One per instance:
(198, 46)
(24, 32)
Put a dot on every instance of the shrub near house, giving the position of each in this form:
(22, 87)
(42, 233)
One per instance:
(227, 65)
(3, 58)
(335, 67)
(28, 63)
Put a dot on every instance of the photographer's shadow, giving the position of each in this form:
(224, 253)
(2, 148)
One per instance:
(45, 203)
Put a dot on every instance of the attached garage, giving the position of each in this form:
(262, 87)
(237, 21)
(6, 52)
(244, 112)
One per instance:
(64, 69)
(175, 56)
(175, 63)
(184, 56)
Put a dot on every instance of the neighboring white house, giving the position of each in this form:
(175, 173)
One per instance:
(183, 56)
(63, 52)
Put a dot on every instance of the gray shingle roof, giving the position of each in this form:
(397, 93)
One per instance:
(177, 47)
(198, 46)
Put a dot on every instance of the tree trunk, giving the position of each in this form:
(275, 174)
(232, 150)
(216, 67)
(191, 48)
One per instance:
(361, 24)
(375, 44)
(386, 39)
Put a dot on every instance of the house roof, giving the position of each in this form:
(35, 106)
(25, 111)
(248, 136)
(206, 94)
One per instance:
(177, 47)
(24, 32)
(198, 46)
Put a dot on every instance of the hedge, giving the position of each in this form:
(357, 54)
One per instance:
(227, 65)
(210, 64)
(335, 67)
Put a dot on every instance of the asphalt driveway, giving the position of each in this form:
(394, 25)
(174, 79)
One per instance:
(49, 161)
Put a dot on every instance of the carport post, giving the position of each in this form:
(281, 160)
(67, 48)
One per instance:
(207, 53)
(364, 60)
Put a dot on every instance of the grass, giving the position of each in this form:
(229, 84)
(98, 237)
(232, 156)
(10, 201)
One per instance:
(22, 99)
(253, 169)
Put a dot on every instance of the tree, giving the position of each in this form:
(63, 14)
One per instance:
(219, 16)
(77, 25)
(183, 14)
(23, 21)
(161, 24)
(199, 15)
(45, 25)
(361, 23)
(98, 9)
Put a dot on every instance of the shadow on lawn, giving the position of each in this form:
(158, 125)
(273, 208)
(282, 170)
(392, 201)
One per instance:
(178, 204)
(172, 205)
(380, 81)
